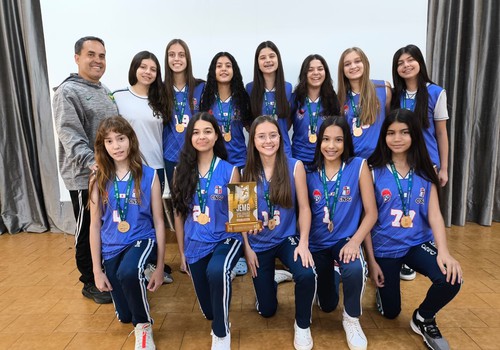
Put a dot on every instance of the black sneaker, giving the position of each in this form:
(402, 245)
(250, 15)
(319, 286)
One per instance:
(90, 291)
(429, 332)
(406, 273)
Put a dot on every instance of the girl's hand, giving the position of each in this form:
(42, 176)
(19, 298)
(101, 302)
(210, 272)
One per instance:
(449, 267)
(376, 274)
(443, 177)
(156, 279)
(102, 283)
(349, 252)
(254, 232)
(252, 261)
(303, 251)
(184, 266)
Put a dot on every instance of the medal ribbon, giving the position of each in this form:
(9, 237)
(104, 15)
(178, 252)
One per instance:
(313, 118)
(180, 111)
(403, 102)
(122, 212)
(354, 109)
(202, 197)
(226, 120)
(268, 105)
(331, 207)
(270, 206)
(405, 204)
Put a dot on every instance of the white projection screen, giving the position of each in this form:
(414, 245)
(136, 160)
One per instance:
(297, 27)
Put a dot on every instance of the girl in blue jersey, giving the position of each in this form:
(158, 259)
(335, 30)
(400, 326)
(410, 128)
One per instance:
(364, 102)
(199, 196)
(281, 186)
(269, 93)
(143, 105)
(414, 90)
(127, 229)
(313, 99)
(183, 93)
(225, 97)
(410, 229)
(340, 190)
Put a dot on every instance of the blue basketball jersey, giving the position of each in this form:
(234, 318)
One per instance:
(286, 218)
(236, 148)
(429, 133)
(269, 106)
(200, 240)
(365, 144)
(390, 240)
(173, 141)
(139, 216)
(302, 148)
(348, 209)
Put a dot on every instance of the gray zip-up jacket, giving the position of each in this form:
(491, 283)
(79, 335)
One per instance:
(79, 106)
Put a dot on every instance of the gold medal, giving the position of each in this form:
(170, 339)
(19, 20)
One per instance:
(203, 219)
(357, 131)
(313, 138)
(271, 224)
(227, 136)
(179, 128)
(330, 226)
(123, 226)
(406, 221)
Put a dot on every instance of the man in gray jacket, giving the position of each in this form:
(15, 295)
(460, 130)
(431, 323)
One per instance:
(79, 104)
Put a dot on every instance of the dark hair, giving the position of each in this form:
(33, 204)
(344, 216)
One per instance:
(329, 99)
(280, 190)
(191, 81)
(239, 94)
(79, 43)
(348, 153)
(106, 172)
(417, 156)
(186, 172)
(422, 97)
(258, 89)
(156, 98)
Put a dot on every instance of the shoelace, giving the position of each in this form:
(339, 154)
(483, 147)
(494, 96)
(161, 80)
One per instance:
(353, 326)
(432, 330)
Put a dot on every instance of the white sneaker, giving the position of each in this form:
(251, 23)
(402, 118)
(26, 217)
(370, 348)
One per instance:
(302, 339)
(148, 271)
(144, 337)
(282, 276)
(223, 343)
(233, 275)
(356, 339)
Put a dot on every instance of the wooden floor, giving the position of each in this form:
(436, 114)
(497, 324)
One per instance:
(41, 305)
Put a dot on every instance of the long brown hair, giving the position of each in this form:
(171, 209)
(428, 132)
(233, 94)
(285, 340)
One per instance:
(368, 101)
(280, 189)
(105, 162)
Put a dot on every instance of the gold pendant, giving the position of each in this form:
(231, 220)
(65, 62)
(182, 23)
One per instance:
(357, 131)
(313, 138)
(330, 226)
(271, 224)
(203, 219)
(227, 136)
(179, 128)
(123, 226)
(406, 221)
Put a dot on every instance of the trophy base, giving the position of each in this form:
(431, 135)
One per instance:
(243, 226)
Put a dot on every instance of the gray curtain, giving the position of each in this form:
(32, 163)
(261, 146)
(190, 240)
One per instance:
(29, 192)
(463, 54)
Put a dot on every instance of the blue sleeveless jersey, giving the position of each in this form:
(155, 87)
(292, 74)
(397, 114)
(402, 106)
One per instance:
(139, 216)
(173, 141)
(267, 110)
(365, 144)
(347, 212)
(430, 132)
(286, 218)
(236, 148)
(302, 149)
(390, 240)
(200, 240)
